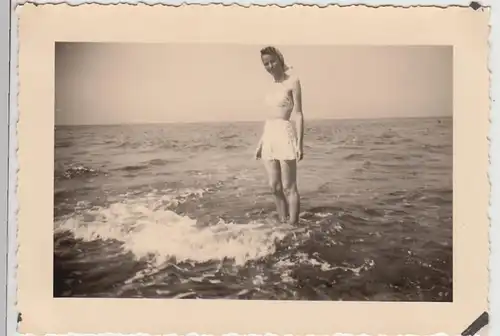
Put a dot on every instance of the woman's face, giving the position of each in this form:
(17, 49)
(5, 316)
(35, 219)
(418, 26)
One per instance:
(272, 64)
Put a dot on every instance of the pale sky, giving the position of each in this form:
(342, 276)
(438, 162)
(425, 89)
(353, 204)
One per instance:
(111, 83)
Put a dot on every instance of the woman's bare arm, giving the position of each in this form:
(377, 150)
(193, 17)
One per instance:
(258, 150)
(297, 109)
(259, 144)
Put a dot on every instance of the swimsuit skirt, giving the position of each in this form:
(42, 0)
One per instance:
(279, 141)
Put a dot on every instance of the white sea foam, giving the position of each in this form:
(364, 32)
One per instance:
(147, 229)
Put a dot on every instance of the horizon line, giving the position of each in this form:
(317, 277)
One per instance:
(244, 121)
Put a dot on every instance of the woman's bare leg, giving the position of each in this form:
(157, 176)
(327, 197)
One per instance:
(289, 183)
(274, 174)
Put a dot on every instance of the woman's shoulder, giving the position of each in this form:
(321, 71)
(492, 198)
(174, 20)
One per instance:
(293, 78)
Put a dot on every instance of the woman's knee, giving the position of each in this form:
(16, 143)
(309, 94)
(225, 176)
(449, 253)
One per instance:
(290, 189)
(276, 188)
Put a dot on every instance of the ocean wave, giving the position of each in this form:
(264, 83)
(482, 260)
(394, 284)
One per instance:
(75, 171)
(158, 162)
(64, 144)
(134, 167)
(353, 156)
(389, 134)
(144, 165)
(231, 146)
(149, 229)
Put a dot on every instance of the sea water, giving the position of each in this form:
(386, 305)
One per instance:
(184, 211)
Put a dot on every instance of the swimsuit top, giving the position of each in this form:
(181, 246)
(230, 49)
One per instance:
(279, 98)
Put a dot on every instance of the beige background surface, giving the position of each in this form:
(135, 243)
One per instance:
(42, 25)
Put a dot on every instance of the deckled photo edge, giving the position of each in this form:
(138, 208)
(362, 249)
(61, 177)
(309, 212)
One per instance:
(21, 85)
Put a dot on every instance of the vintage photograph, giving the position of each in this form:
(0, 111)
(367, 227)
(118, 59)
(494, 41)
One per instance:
(195, 168)
(254, 172)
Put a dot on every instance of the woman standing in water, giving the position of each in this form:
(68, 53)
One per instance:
(280, 146)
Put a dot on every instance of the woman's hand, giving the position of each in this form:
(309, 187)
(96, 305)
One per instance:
(300, 154)
(258, 153)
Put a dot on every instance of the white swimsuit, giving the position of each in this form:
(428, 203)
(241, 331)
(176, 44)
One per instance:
(279, 141)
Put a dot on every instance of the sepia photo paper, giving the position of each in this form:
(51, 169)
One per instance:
(262, 169)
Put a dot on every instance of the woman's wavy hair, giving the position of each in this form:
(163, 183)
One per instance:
(273, 51)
